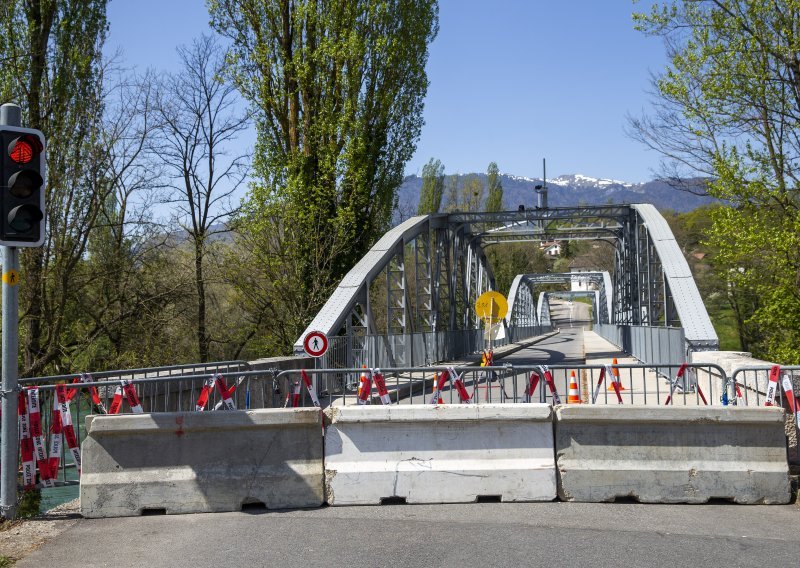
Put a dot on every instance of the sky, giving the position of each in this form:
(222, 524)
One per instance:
(511, 81)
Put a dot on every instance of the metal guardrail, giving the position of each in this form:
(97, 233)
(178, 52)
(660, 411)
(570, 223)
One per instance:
(641, 385)
(649, 344)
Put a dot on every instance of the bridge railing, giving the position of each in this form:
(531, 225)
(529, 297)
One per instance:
(650, 344)
(416, 349)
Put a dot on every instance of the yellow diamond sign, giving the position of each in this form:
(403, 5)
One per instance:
(491, 307)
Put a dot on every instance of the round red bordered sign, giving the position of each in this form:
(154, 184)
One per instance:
(315, 344)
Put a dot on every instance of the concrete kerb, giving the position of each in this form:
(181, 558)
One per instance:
(193, 462)
(439, 454)
(671, 454)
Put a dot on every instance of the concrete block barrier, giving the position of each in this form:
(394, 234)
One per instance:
(201, 462)
(671, 454)
(439, 454)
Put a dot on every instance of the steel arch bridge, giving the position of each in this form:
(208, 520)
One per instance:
(410, 299)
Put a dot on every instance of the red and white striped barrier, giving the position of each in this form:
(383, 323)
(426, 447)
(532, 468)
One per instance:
(225, 392)
(61, 402)
(293, 396)
(37, 436)
(365, 390)
(772, 386)
(788, 389)
(205, 392)
(380, 384)
(130, 396)
(551, 384)
(533, 382)
(26, 444)
(116, 402)
(458, 383)
(310, 387)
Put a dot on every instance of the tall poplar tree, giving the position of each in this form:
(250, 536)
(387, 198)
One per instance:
(494, 199)
(51, 66)
(336, 89)
(430, 198)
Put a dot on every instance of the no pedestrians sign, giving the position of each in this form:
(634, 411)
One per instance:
(315, 344)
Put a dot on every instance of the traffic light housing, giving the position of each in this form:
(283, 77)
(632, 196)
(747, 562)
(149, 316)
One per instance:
(22, 173)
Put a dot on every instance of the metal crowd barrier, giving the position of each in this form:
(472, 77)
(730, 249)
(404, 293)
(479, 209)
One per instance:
(640, 385)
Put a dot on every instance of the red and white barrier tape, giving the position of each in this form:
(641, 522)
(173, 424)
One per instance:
(130, 396)
(365, 390)
(458, 383)
(224, 392)
(772, 386)
(26, 444)
(55, 438)
(788, 389)
(67, 428)
(96, 400)
(39, 451)
(533, 382)
(674, 384)
(310, 387)
(380, 384)
(551, 384)
(116, 402)
(205, 391)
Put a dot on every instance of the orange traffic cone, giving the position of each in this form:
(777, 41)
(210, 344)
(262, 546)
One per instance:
(574, 395)
(615, 378)
(435, 384)
(361, 381)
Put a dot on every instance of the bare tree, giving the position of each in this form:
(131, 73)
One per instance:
(201, 119)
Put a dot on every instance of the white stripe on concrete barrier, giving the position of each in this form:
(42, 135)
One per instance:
(201, 462)
(671, 454)
(439, 454)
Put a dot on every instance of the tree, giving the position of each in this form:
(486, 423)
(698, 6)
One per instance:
(337, 91)
(199, 123)
(473, 190)
(727, 107)
(494, 199)
(430, 198)
(453, 193)
(51, 53)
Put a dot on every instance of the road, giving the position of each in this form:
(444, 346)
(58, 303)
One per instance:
(481, 534)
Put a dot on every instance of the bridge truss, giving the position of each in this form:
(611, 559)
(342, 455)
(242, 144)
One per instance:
(410, 298)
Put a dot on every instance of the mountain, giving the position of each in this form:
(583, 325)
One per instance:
(574, 189)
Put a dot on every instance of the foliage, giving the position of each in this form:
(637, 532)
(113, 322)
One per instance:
(510, 259)
(51, 51)
(727, 106)
(494, 198)
(336, 90)
(430, 199)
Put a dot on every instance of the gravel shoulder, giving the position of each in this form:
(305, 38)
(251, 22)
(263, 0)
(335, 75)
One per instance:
(19, 538)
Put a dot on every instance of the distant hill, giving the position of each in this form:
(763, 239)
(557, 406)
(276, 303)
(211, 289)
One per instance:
(575, 189)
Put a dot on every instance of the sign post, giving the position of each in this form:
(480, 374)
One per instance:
(315, 344)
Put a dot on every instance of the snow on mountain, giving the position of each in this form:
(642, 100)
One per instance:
(570, 190)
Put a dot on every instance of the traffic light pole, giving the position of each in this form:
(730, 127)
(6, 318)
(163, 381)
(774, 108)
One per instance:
(10, 115)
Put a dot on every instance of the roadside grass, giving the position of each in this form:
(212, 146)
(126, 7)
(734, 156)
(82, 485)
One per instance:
(5, 561)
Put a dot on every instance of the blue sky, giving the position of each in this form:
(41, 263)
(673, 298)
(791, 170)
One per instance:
(511, 81)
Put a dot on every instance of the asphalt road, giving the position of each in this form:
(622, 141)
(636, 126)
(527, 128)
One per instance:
(485, 534)
(563, 348)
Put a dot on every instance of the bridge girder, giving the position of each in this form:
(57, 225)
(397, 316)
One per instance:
(651, 283)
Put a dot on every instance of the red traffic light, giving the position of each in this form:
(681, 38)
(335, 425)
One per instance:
(24, 149)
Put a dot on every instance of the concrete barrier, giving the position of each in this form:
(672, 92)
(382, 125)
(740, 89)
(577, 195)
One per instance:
(671, 454)
(201, 462)
(439, 454)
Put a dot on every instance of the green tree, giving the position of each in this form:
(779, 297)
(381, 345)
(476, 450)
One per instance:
(337, 90)
(430, 198)
(472, 193)
(452, 192)
(727, 107)
(494, 199)
(51, 53)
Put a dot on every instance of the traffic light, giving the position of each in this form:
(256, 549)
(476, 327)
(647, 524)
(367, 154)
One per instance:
(22, 171)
